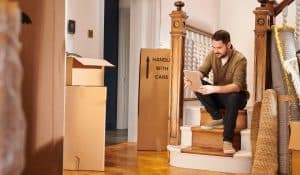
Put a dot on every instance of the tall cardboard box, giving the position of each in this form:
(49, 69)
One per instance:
(86, 71)
(294, 146)
(84, 144)
(153, 99)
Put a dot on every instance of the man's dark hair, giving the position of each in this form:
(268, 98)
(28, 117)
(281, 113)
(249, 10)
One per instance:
(221, 35)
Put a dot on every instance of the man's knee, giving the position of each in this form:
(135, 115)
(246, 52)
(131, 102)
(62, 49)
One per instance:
(234, 96)
(210, 99)
(236, 99)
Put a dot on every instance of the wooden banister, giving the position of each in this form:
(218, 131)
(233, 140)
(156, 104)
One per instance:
(197, 30)
(279, 7)
(273, 6)
(263, 3)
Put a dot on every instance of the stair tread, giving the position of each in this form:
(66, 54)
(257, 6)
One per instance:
(205, 151)
(202, 109)
(199, 129)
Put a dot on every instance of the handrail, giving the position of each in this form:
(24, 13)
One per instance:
(197, 30)
(263, 2)
(279, 7)
(274, 7)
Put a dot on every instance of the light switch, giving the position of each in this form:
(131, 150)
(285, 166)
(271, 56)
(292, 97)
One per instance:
(90, 33)
(71, 26)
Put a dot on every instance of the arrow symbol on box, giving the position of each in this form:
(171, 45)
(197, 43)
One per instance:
(147, 67)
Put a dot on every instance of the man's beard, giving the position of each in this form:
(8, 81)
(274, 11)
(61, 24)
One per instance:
(219, 55)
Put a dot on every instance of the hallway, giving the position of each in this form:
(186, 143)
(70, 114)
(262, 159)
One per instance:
(124, 159)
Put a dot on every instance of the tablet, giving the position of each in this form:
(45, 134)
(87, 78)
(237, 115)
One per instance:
(194, 77)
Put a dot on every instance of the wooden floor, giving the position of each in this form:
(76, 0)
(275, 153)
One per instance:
(113, 137)
(124, 159)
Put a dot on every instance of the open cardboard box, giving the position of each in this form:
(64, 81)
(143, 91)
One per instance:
(86, 71)
(84, 143)
(294, 146)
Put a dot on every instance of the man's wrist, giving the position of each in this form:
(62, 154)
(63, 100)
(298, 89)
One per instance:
(218, 89)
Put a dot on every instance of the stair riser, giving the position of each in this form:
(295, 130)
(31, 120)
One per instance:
(211, 163)
(191, 117)
(186, 136)
(245, 140)
(241, 122)
(213, 140)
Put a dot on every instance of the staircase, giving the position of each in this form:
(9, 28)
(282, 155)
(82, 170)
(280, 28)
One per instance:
(202, 149)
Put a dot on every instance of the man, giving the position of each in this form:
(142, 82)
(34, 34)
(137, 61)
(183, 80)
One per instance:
(229, 90)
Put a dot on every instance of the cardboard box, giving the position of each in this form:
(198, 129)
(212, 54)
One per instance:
(84, 143)
(86, 71)
(153, 112)
(294, 146)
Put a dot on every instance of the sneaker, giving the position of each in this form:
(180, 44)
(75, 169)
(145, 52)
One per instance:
(228, 148)
(213, 124)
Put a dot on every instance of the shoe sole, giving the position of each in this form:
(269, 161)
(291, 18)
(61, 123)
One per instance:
(229, 151)
(212, 127)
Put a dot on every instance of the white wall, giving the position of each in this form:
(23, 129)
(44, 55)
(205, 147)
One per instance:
(89, 15)
(240, 22)
(144, 33)
(202, 14)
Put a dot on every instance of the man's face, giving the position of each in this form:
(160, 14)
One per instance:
(220, 49)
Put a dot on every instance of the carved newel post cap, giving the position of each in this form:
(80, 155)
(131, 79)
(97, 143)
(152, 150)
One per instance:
(179, 5)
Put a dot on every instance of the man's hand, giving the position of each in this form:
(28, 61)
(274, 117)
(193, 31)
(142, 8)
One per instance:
(208, 89)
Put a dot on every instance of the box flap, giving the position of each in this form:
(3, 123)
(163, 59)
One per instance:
(93, 62)
(295, 135)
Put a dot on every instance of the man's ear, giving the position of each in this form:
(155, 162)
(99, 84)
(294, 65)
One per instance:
(228, 45)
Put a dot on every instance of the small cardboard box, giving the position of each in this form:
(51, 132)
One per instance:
(86, 71)
(294, 146)
(84, 142)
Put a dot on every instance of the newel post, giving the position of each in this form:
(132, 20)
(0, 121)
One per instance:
(262, 65)
(178, 33)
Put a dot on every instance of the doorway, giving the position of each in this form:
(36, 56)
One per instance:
(116, 46)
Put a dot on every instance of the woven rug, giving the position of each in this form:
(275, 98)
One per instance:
(265, 160)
